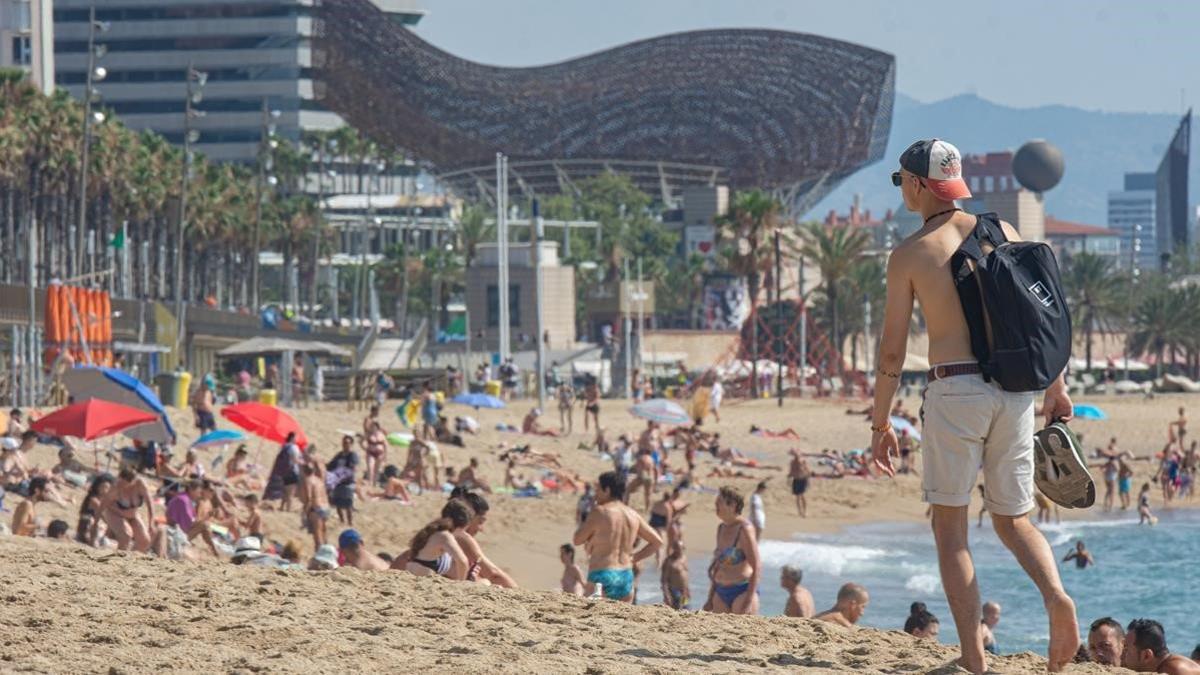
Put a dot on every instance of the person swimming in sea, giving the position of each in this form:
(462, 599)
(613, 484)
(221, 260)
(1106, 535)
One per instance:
(1083, 558)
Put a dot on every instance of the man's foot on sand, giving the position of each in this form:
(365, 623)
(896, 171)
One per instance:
(1064, 633)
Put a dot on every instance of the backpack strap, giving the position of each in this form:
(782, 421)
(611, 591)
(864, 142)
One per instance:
(987, 229)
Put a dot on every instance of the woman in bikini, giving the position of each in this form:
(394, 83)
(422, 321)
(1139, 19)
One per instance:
(88, 529)
(434, 550)
(660, 517)
(736, 567)
(375, 448)
(120, 508)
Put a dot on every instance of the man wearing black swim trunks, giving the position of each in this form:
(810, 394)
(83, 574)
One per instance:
(799, 472)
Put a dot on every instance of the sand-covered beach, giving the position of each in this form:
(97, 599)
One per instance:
(69, 607)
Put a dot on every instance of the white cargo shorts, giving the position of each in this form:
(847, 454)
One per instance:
(968, 424)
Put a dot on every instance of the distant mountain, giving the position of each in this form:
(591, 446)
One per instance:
(1098, 149)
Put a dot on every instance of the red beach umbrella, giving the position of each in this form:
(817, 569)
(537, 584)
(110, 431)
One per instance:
(265, 421)
(91, 419)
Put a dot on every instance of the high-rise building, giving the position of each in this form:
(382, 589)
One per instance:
(1133, 208)
(1173, 229)
(250, 51)
(27, 39)
(994, 188)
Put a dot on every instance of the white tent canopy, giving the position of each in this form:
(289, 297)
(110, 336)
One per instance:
(274, 345)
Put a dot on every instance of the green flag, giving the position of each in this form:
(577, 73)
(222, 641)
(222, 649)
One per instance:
(118, 240)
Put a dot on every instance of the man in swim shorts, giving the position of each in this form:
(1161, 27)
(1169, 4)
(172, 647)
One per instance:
(799, 472)
(968, 422)
(610, 533)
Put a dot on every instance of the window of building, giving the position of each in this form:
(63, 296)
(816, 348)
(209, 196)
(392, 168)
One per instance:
(22, 53)
(989, 183)
(215, 10)
(493, 305)
(187, 44)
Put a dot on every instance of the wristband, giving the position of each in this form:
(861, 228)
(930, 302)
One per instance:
(883, 429)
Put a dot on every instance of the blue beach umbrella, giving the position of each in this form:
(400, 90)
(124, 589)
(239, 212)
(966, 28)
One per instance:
(118, 386)
(1089, 412)
(478, 400)
(219, 437)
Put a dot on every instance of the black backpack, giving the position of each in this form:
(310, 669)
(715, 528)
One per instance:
(1014, 305)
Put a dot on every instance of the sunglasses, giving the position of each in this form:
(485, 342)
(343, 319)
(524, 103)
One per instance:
(897, 179)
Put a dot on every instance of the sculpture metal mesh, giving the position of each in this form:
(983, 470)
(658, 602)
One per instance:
(751, 108)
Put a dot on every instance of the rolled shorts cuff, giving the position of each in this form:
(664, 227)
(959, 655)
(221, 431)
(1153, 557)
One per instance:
(946, 498)
(1009, 509)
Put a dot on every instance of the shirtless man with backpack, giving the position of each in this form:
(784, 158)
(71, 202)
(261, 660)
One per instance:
(969, 421)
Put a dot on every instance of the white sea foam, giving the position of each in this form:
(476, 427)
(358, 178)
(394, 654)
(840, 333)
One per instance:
(928, 584)
(831, 559)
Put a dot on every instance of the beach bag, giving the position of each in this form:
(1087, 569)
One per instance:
(1015, 308)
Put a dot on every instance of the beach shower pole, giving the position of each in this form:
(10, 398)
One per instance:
(803, 328)
(624, 301)
(778, 320)
(536, 261)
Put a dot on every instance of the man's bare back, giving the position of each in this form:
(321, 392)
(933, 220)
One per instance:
(800, 603)
(922, 264)
(834, 616)
(615, 532)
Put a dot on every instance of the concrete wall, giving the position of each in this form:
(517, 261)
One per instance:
(558, 310)
(704, 348)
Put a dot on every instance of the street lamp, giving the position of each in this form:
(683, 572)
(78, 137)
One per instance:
(266, 163)
(1134, 250)
(195, 94)
(90, 94)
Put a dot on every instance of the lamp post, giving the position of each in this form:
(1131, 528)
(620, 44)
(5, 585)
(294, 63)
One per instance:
(1134, 249)
(195, 85)
(94, 74)
(266, 163)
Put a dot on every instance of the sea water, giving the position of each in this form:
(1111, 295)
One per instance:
(1140, 571)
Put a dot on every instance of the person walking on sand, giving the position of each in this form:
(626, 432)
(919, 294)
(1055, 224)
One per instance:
(758, 512)
(736, 566)
(611, 531)
(566, 408)
(800, 601)
(316, 503)
(799, 472)
(968, 421)
(852, 601)
(591, 403)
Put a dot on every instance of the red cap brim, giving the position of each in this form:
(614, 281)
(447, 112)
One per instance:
(949, 190)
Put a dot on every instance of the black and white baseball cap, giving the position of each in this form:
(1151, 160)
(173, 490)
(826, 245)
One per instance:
(940, 164)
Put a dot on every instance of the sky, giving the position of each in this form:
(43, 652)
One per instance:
(1093, 54)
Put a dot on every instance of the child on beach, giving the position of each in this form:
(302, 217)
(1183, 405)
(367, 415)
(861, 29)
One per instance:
(676, 593)
(1144, 514)
(253, 524)
(572, 579)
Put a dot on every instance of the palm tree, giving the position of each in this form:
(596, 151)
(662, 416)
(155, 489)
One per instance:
(1092, 292)
(753, 218)
(835, 251)
(1162, 323)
